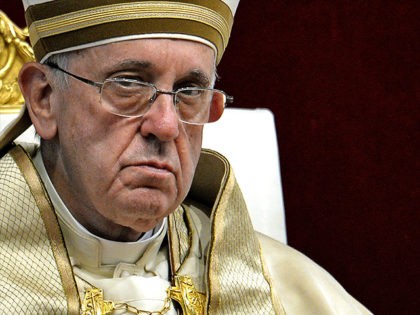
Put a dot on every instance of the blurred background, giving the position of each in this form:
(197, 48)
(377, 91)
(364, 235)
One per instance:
(342, 79)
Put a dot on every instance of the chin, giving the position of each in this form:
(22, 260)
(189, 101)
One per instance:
(141, 218)
(132, 211)
(142, 226)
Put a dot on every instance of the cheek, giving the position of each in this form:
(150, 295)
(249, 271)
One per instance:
(95, 141)
(87, 124)
(196, 138)
(192, 152)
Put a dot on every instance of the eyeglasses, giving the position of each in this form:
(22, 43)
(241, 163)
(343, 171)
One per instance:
(132, 98)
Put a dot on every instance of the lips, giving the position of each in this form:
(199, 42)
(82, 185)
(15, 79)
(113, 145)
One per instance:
(149, 174)
(152, 171)
(153, 166)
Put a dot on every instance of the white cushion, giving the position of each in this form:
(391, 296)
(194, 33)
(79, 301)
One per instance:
(247, 137)
(27, 136)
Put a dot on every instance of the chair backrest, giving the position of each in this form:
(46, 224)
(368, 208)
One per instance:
(27, 136)
(247, 137)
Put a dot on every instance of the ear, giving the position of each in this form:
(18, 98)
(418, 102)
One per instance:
(36, 89)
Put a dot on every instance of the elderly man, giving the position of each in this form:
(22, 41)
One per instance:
(104, 216)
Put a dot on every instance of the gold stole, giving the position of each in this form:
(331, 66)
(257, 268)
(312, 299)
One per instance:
(237, 282)
(36, 275)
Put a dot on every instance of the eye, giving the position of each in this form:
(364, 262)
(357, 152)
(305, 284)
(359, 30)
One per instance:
(124, 82)
(190, 92)
(128, 76)
(128, 83)
(127, 88)
(190, 84)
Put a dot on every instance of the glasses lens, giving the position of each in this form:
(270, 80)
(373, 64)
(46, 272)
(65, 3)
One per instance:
(200, 106)
(126, 97)
(131, 98)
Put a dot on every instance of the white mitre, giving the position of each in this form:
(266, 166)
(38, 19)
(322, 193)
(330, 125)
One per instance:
(64, 25)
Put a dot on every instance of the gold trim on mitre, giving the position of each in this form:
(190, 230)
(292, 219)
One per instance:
(58, 26)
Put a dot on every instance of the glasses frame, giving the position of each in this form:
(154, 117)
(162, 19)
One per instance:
(157, 92)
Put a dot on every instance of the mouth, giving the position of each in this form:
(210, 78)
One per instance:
(157, 166)
(152, 168)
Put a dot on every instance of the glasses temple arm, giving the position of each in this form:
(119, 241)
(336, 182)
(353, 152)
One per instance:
(84, 80)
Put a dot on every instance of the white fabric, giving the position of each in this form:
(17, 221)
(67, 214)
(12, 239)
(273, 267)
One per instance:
(27, 3)
(27, 136)
(233, 4)
(247, 137)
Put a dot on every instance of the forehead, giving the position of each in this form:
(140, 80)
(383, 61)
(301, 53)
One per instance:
(155, 54)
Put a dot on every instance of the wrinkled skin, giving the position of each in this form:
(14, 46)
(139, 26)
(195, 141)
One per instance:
(121, 176)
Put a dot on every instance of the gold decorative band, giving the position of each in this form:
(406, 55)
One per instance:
(190, 17)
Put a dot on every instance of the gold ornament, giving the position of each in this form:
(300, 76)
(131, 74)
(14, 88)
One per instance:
(191, 301)
(94, 304)
(14, 52)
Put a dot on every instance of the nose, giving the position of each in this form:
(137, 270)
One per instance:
(161, 120)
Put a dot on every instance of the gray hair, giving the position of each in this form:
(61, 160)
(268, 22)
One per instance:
(62, 60)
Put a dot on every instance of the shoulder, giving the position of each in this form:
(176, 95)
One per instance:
(302, 286)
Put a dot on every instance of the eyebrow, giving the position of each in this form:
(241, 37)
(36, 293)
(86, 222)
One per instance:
(198, 76)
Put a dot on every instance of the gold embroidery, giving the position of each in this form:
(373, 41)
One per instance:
(94, 303)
